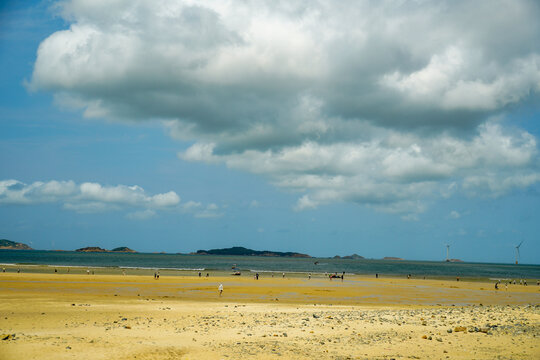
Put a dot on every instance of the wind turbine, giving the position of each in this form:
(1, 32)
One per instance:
(447, 253)
(517, 251)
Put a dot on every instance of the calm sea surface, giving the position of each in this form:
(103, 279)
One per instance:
(261, 264)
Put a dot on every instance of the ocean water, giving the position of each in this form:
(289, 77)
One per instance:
(264, 264)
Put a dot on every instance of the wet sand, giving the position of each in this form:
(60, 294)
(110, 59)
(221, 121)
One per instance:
(66, 316)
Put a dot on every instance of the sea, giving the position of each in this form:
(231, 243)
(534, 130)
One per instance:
(207, 263)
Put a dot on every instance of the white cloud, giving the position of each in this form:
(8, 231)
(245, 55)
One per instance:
(377, 103)
(454, 214)
(93, 197)
(86, 197)
(395, 172)
(201, 211)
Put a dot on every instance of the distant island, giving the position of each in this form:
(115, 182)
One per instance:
(392, 258)
(242, 251)
(123, 249)
(12, 245)
(98, 249)
(350, 257)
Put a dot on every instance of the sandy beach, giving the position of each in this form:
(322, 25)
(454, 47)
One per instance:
(115, 316)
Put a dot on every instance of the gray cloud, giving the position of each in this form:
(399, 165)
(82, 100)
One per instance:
(373, 102)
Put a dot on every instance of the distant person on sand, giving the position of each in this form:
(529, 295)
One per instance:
(496, 286)
(3, 269)
(309, 276)
(376, 276)
(284, 275)
(199, 274)
(220, 288)
(155, 276)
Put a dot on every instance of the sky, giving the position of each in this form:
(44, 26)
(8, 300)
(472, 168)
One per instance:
(382, 128)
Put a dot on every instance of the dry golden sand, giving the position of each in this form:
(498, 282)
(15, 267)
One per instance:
(70, 316)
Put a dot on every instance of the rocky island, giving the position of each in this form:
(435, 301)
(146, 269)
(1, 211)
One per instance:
(123, 249)
(349, 257)
(242, 251)
(13, 245)
(98, 249)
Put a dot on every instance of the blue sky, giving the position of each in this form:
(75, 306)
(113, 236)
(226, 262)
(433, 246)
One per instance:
(369, 128)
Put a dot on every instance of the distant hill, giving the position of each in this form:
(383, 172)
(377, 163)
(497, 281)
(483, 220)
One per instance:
(350, 257)
(242, 251)
(392, 258)
(91, 249)
(12, 245)
(123, 249)
(98, 249)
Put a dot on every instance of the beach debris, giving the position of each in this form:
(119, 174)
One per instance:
(8, 337)
(460, 328)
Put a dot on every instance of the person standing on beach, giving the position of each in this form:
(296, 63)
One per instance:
(220, 289)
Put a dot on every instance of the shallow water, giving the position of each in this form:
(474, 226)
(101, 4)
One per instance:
(264, 264)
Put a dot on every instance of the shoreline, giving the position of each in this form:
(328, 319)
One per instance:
(168, 271)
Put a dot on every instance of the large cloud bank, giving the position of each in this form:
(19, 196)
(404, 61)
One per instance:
(375, 102)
